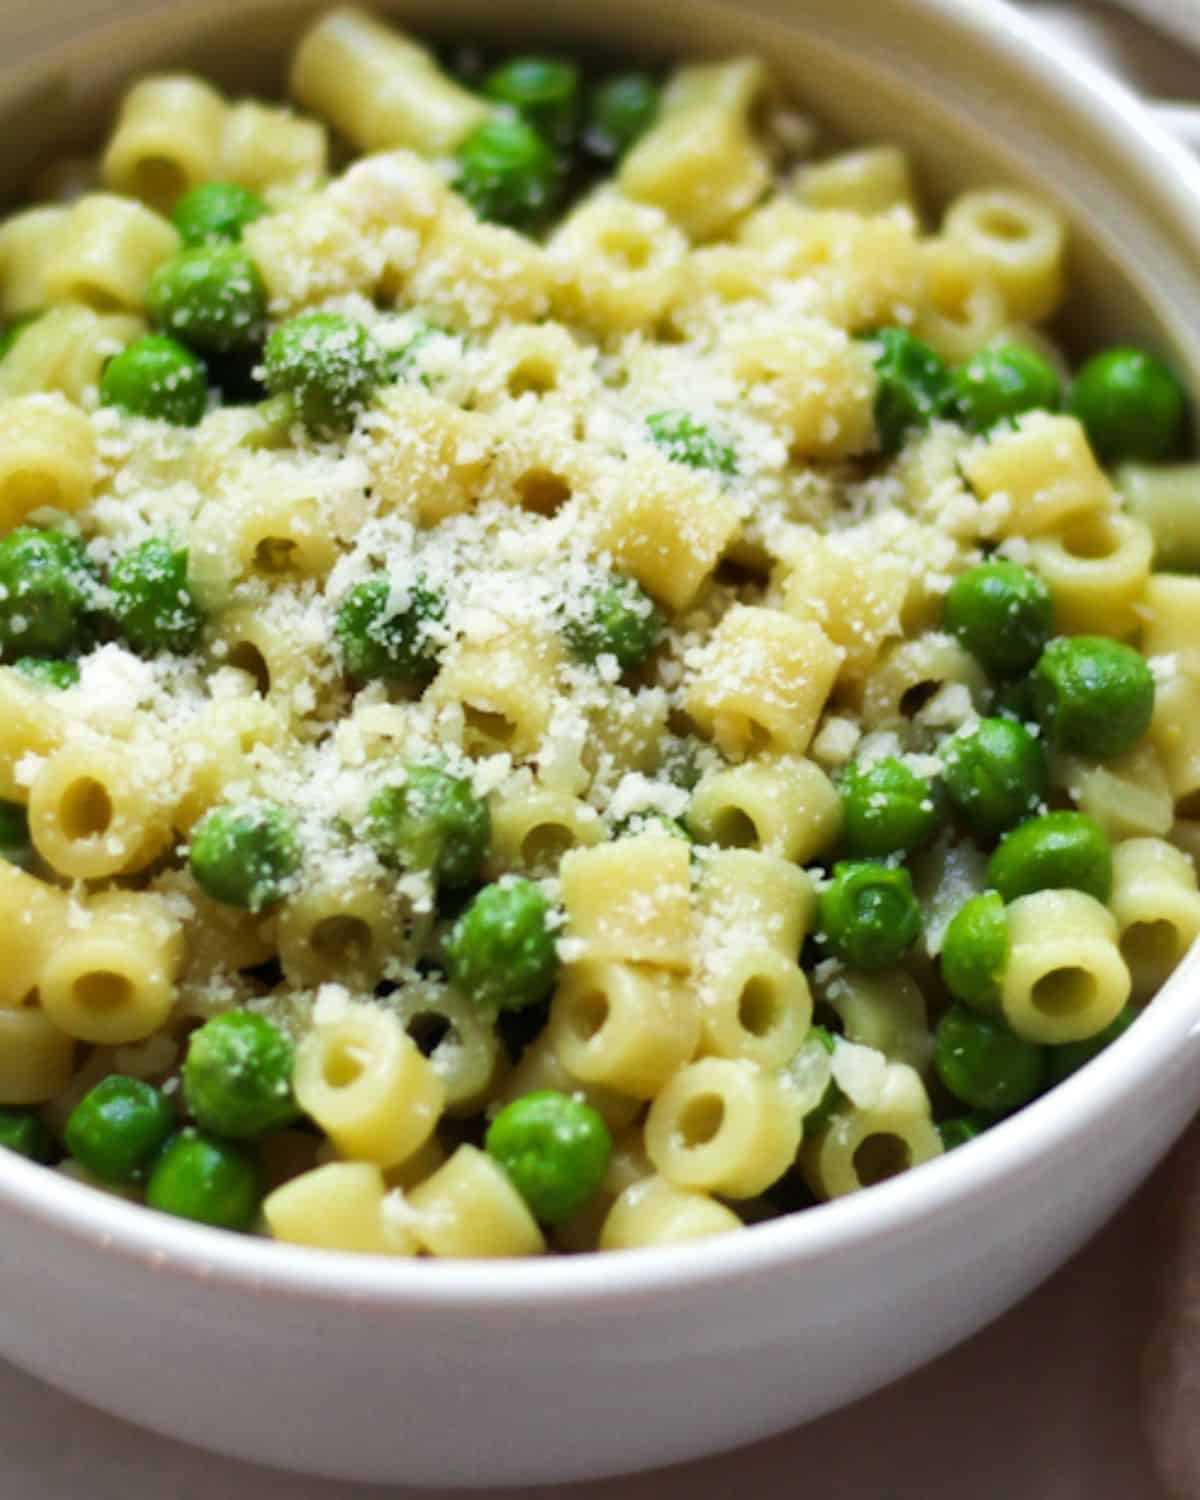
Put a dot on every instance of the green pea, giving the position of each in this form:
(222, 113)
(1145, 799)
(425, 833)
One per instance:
(15, 844)
(995, 775)
(389, 631)
(152, 603)
(958, 1131)
(868, 914)
(1014, 700)
(1092, 695)
(48, 671)
(432, 822)
(1058, 851)
(914, 386)
(688, 441)
(508, 174)
(403, 362)
(328, 363)
(544, 91)
(117, 1129)
(212, 1181)
(237, 1077)
(613, 617)
(886, 808)
(10, 335)
(210, 297)
(1002, 382)
(48, 592)
(21, 1131)
(216, 211)
(501, 952)
(975, 951)
(554, 1149)
(1069, 1058)
(985, 1064)
(157, 377)
(1002, 614)
(819, 1116)
(620, 111)
(245, 855)
(1133, 406)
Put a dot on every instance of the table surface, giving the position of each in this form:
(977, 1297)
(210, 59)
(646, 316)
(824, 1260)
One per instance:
(1042, 1405)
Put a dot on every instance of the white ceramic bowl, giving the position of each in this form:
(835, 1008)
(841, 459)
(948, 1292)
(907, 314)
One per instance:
(573, 1368)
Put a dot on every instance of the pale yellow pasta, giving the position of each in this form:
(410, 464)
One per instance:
(32, 914)
(111, 976)
(423, 1163)
(217, 937)
(167, 139)
(913, 676)
(1128, 796)
(364, 1081)
(1096, 569)
(469, 1209)
(1020, 241)
(861, 1146)
(31, 724)
(110, 248)
(36, 1058)
(312, 249)
(722, 1126)
(459, 1040)
(886, 1011)
(964, 310)
(1039, 475)
(857, 604)
(501, 691)
(428, 458)
(746, 896)
(762, 681)
(541, 1067)
(615, 264)
(66, 350)
(264, 148)
(1175, 733)
(1170, 619)
(337, 1207)
(94, 812)
(29, 242)
(342, 927)
(475, 275)
(48, 459)
(1157, 909)
(534, 826)
(657, 1212)
(280, 533)
(629, 901)
(786, 807)
(1166, 498)
(872, 180)
(625, 1027)
(755, 1003)
(280, 667)
(700, 162)
(223, 746)
(1065, 979)
(379, 88)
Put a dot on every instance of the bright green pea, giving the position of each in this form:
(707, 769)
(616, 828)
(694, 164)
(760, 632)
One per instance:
(613, 617)
(1092, 695)
(157, 377)
(964, 1128)
(501, 952)
(237, 1077)
(387, 631)
(245, 855)
(688, 441)
(868, 915)
(1133, 406)
(48, 592)
(1001, 383)
(985, 1064)
(21, 1131)
(1069, 1058)
(328, 363)
(544, 91)
(1058, 851)
(620, 111)
(49, 671)
(210, 297)
(117, 1128)
(431, 822)
(995, 775)
(887, 808)
(914, 386)
(554, 1149)
(15, 844)
(508, 174)
(1002, 614)
(975, 951)
(212, 1181)
(152, 603)
(216, 211)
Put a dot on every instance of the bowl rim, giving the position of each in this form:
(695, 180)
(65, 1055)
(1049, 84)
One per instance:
(1167, 1030)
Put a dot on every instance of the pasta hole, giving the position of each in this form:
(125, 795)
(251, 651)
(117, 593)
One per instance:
(758, 738)
(86, 809)
(484, 729)
(26, 490)
(158, 181)
(1064, 992)
(343, 1065)
(758, 1006)
(1004, 224)
(914, 699)
(543, 846)
(429, 1029)
(1151, 945)
(1188, 806)
(881, 1156)
(102, 990)
(532, 377)
(734, 829)
(247, 658)
(700, 1120)
(1092, 543)
(341, 940)
(542, 491)
(589, 1014)
(275, 555)
(628, 251)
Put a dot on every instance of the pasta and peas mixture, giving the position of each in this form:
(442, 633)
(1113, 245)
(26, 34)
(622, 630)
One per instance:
(581, 680)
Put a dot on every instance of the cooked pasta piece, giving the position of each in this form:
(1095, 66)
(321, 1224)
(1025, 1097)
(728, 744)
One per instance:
(1066, 978)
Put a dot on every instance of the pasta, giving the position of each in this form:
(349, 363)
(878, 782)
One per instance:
(567, 675)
